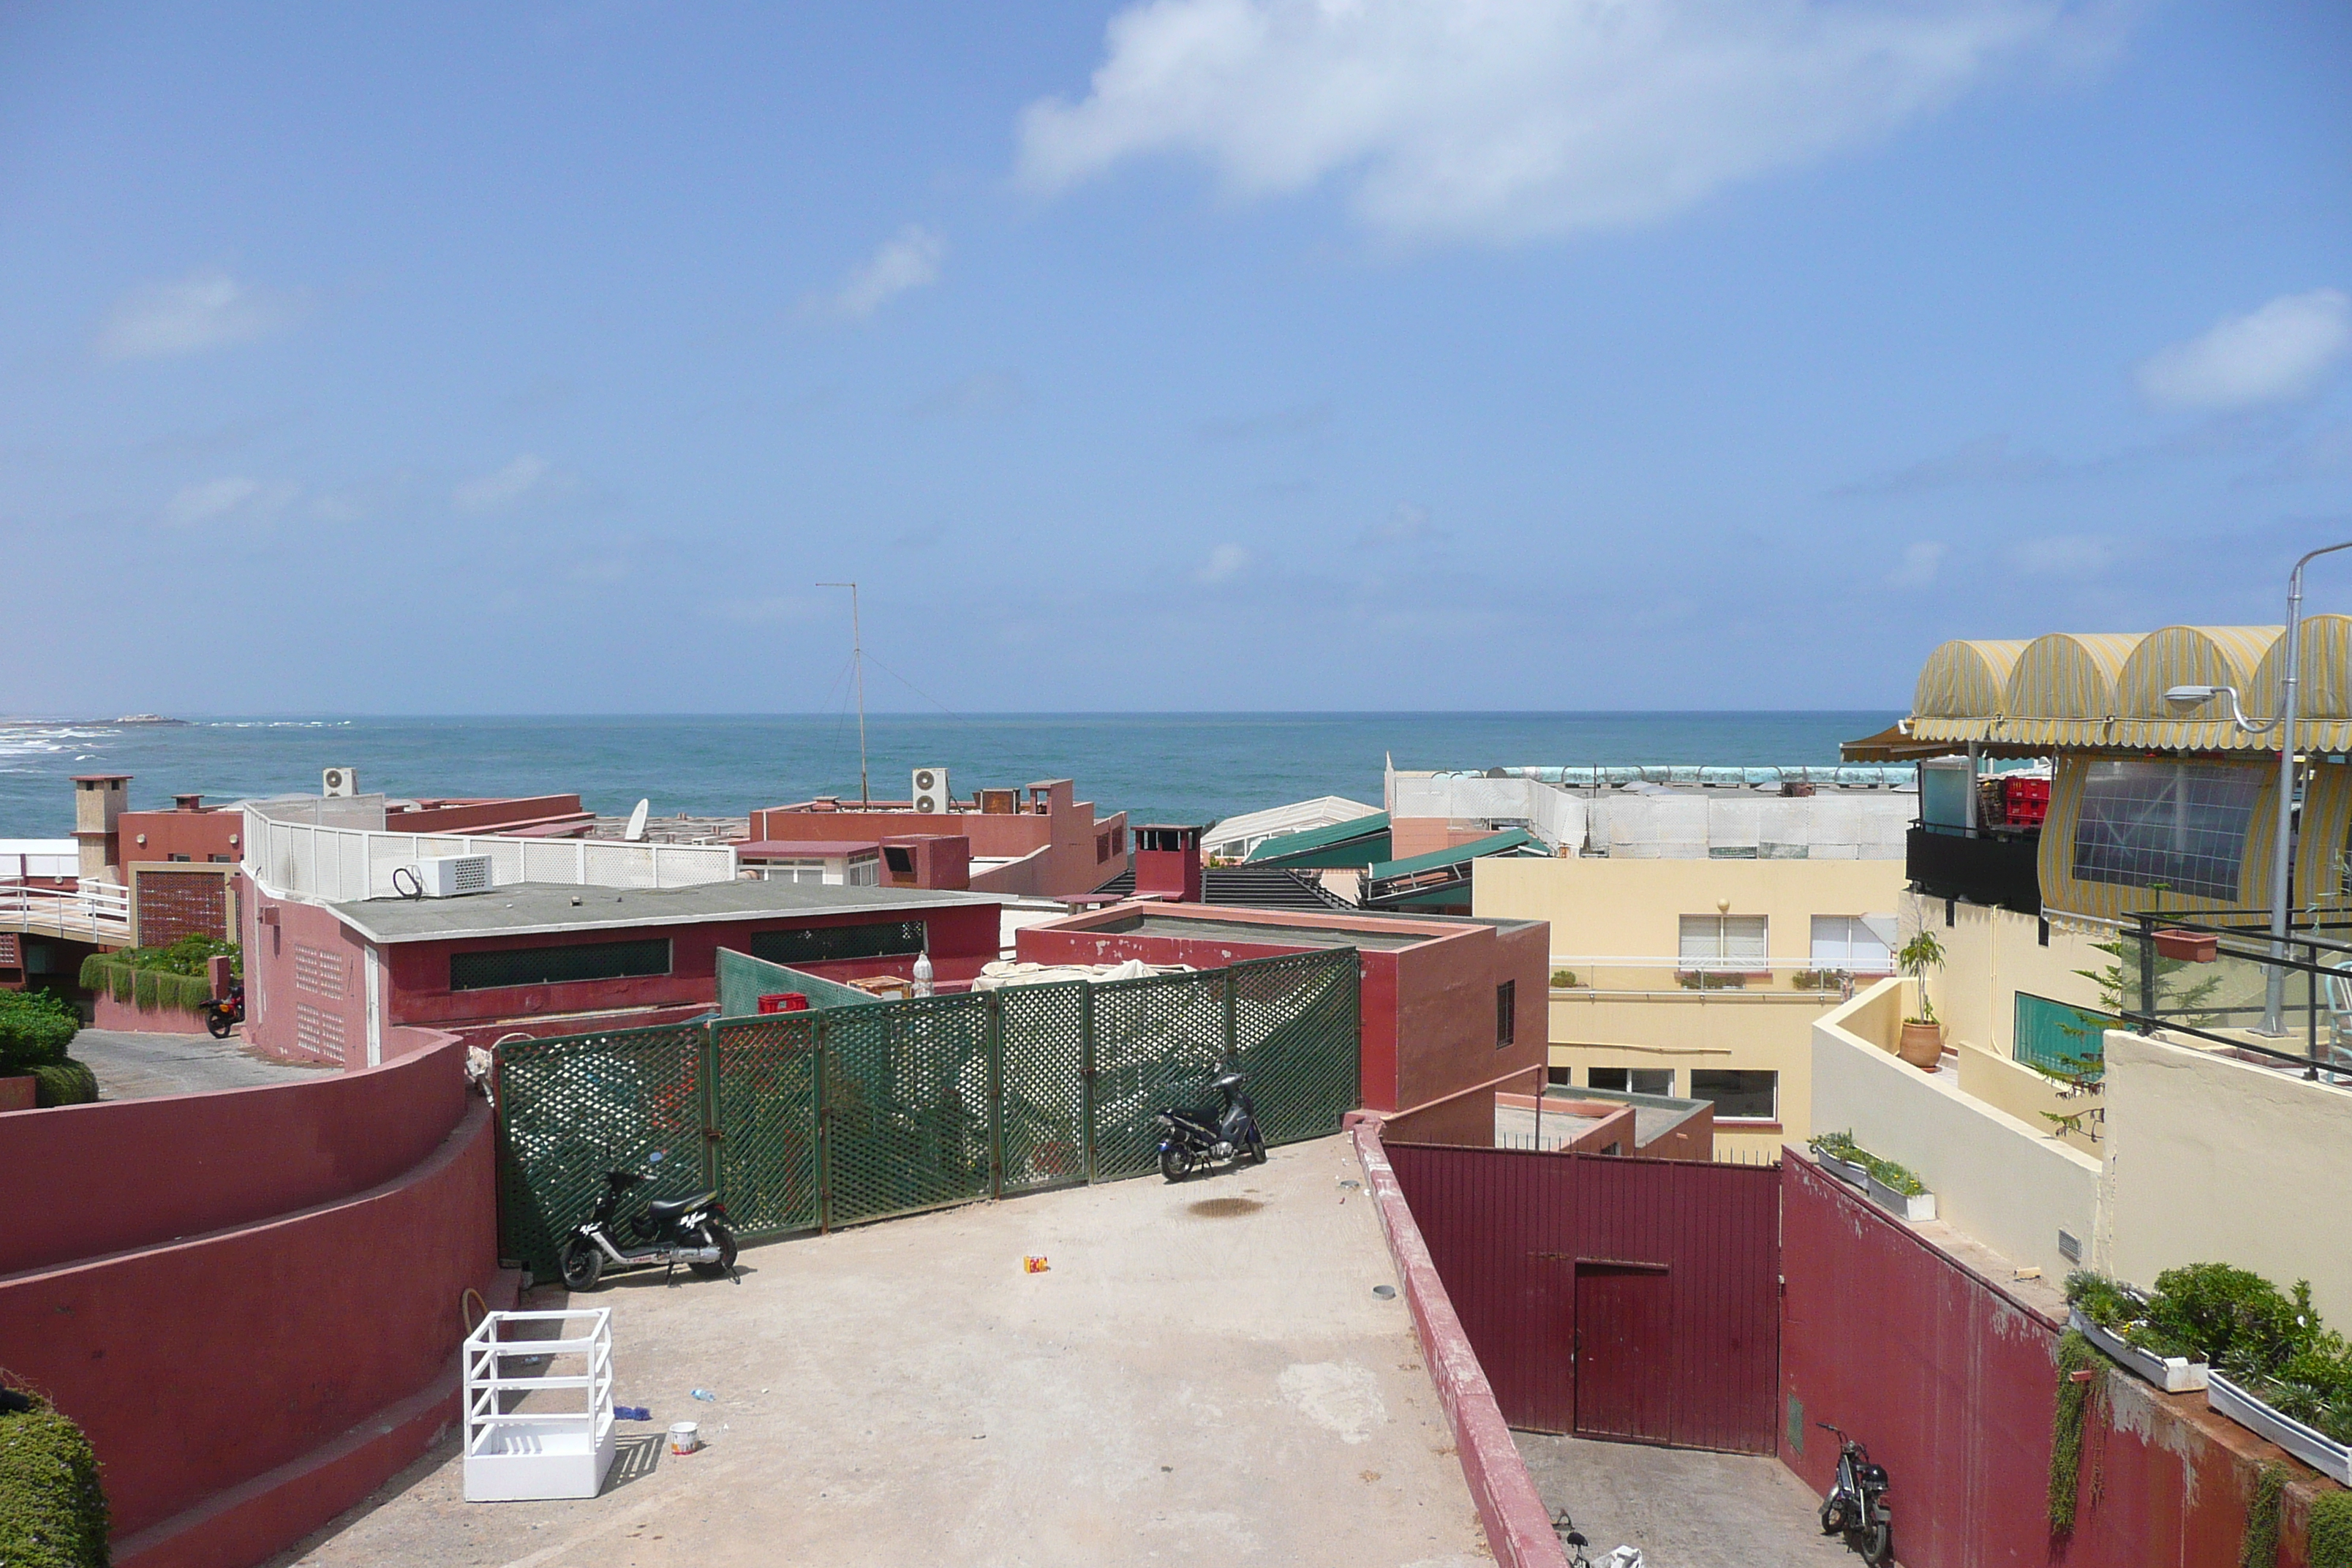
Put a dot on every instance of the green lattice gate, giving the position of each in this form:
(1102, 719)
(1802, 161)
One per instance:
(809, 1120)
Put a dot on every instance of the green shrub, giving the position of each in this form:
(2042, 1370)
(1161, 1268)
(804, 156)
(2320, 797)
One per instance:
(36, 1028)
(2103, 1301)
(1838, 1146)
(2315, 1386)
(1887, 1173)
(1562, 979)
(67, 1082)
(52, 1508)
(2075, 1354)
(2231, 1318)
(2331, 1530)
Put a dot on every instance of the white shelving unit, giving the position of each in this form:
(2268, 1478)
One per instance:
(526, 1455)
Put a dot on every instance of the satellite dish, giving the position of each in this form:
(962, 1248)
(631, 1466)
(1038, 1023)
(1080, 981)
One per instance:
(638, 822)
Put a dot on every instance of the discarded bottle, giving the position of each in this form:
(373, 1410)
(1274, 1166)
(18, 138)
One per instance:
(705, 1394)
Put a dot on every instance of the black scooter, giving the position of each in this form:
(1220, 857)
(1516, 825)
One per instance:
(223, 1013)
(669, 1231)
(1225, 1131)
(1857, 1504)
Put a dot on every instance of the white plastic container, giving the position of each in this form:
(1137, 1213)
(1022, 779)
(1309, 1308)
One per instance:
(685, 1437)
(538, 1453)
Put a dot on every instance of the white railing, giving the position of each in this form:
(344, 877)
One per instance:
(93, 909)
(344, 865)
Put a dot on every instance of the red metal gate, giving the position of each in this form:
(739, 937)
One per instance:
(1612, 1296)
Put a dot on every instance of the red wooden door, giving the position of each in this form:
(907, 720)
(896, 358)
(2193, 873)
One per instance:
(1624, 1353)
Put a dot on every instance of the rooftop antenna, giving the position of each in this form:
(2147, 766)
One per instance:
(857, 663)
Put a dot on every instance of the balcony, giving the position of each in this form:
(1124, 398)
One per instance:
(2220, 983)
(1993, 866)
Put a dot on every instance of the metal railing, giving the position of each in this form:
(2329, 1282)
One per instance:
(92, 909)
(2211, 978)
(339, 865)
(1606, 975)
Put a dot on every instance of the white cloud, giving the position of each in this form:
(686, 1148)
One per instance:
(1225, 562)
(1504, 118)
(2064, 555)
(202, 311)
(1921, 561)
(212, 501)
(2282, 352)
(496, 491)
(908, 259)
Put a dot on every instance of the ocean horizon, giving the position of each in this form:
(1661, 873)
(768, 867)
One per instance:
(1157, 766)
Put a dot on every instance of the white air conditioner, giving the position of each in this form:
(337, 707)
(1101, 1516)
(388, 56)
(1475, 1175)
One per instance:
(337, 782)
(450, 875)
(930, 794)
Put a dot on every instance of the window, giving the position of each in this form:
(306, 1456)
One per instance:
(2180, 824)
(793, 871)
(827, 944)
(222, 860)
(1734, 943)
(1118, 840)
(1506, 1014)
(1634, 1080)
(866, 871)
(1102, 848)
(1738, 1096)
(1855, 943)
(558, 966)
(901, 858)
(179, 857)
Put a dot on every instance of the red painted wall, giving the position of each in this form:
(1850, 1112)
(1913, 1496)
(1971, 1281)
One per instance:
(1427, 1012)
(132, 1018)
(198, 835)
(1055, 849)
(280, 986)
(331, 1298)
(1508, 1228)
(1952, 1382)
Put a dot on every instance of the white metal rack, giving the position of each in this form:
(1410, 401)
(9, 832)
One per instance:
(522, 1455)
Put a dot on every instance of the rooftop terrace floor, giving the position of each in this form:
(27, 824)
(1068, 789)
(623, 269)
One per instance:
(1202, 1374)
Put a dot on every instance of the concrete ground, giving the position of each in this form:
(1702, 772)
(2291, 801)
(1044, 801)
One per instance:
(1683, 1508)
(1204, 1373)
(136, 1066)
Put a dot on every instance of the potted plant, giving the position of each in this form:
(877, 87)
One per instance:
(2115, 1316)
(1923, 1036)
(1898, 1190)
(1842, 1157)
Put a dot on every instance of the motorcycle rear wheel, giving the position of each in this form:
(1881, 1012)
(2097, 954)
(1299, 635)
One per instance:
(1175, 1164)
(1876, 1544)
(217, 1023)
(581, 1263)
(716, 1235)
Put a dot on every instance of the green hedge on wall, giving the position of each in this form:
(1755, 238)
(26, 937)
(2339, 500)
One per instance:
(2331, 1530)
(148, 989)
(35, 1030)
(67, 1082)
(52, 1506)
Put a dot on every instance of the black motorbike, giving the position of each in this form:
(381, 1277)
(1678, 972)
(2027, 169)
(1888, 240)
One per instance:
(1225, 1131)
(223, 1013)
(1857, 1504)
(669, 1231)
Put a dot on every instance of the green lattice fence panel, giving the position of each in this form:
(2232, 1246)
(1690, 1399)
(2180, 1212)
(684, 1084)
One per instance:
(905, 1102)
(1158, 1041)
(764, 1087)
(1296, 1035)
(1041, 1093)
(572, 1108)
(2057, 1037)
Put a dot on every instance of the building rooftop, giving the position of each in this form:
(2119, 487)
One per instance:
(1247, 888)
(525, 908)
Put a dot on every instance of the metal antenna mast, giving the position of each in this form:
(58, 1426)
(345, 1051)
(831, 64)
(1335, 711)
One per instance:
(857, 663)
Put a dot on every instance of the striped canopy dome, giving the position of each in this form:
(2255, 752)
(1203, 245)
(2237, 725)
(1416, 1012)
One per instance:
(1965, 681)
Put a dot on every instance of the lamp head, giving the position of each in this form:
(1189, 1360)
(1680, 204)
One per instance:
(2185, 695)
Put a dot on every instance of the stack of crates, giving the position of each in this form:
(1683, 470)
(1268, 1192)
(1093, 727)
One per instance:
(2024, 802)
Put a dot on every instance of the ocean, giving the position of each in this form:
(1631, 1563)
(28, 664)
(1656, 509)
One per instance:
(1156, 767)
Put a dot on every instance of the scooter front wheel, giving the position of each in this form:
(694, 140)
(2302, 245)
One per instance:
(1877, 1544)
(582, 1262)
(716, 1235)
(1175, 1164)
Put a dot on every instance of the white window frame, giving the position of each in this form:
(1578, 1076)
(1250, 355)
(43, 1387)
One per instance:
(1724, 945)
(1838, 952)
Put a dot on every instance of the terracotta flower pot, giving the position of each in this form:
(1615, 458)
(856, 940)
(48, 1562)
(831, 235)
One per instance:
(1922, 1044)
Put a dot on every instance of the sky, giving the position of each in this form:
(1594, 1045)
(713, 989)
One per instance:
(1196, 355)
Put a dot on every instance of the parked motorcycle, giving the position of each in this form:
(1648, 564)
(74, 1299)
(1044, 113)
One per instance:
(1857, 1504)
(1225, 1131)
(223, 1013)
(669, 1231)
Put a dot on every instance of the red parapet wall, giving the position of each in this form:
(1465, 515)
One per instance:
(131, 1018)
(1952, 1382)
(246, 1378)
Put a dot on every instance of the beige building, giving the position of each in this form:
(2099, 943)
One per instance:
(1702, 978)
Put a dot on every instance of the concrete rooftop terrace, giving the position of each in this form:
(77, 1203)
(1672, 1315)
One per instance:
(1203, 1374)
(524, 908)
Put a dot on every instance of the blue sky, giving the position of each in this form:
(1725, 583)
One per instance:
(1204, 354)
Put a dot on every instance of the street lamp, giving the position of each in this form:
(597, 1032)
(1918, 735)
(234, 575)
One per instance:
(2281, 855)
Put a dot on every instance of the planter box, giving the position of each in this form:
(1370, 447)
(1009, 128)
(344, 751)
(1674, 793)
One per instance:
(18, 1093)
(1902, 1206)
(2190, 946)
(2171, 1374)
(1845, 1171)
(2318, 1450)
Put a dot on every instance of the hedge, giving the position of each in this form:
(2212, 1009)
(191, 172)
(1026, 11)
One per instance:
(35, 1030)
(67, 1082)
(147, 988)
(2331, 1530)
(52, 1507)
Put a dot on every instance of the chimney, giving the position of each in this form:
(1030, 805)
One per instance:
(98, 807)
(1168, 863)
(187, 803)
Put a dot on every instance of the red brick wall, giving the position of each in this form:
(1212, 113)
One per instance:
(173, 904)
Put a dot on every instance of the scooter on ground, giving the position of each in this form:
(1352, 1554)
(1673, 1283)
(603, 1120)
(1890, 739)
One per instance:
(669, 1231)
(1225, 1131)
(223, 1013)
(1857, 1504)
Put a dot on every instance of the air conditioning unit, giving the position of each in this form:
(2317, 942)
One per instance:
(337, 782)
(451, 876)
(931, 794)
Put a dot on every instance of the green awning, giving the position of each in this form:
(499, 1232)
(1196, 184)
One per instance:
(1437, 860)
(1359, 841)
